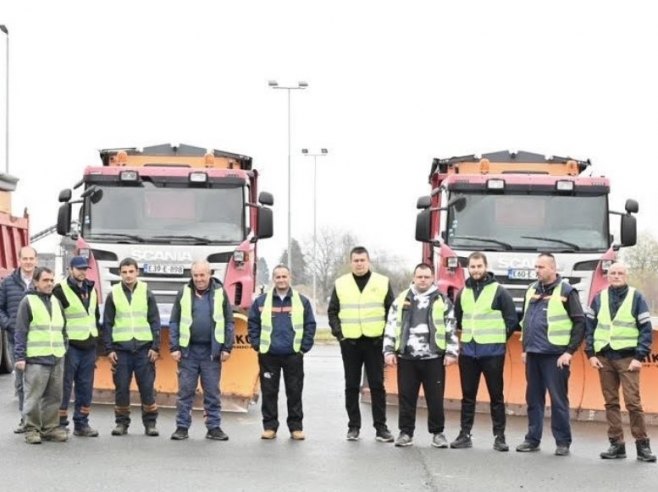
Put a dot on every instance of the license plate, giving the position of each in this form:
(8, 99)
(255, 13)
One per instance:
(521, 274)
(164, 269)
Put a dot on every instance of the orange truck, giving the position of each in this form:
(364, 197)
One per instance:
(513, 205)
(167, 206)
(13, 236)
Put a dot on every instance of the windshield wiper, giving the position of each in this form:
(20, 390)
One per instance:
(553, 240)
(183, 237)
(507, 246)
(115, 235)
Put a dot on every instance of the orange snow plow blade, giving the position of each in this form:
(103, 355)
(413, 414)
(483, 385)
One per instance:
(239, 382)
(585, 397)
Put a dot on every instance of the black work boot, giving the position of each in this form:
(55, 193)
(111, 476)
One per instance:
(644, 451)
(617, 450)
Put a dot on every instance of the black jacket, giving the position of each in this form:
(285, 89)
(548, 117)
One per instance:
(12, 290)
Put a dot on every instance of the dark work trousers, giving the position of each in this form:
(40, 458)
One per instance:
(470, 369)
(293, 377)
(136, 363)
(79, 366)
(196, 365)
(613, 373)
(411, 374)
(357, 353)
(542, 374)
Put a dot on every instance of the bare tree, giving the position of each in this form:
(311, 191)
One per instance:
(642, 261)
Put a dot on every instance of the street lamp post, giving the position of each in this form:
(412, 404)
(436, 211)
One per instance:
(323, 153)
(4, 29)
(300, 86)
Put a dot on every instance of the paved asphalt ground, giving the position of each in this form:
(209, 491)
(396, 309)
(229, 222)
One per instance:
(325, 461)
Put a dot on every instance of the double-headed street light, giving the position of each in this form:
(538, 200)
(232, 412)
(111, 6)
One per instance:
(300, 85)
(323, 153)
(4, 29)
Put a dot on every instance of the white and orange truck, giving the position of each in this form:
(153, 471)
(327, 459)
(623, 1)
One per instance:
(167, 206)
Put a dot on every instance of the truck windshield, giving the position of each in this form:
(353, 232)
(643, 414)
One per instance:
(150, 213)
(531, 222)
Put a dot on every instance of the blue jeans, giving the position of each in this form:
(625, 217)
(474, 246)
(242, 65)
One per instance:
(137, 363)
(543, 374)
(79, 371)
(195, 365)
(18, 375)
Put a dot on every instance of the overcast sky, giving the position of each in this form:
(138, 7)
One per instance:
(391, 85)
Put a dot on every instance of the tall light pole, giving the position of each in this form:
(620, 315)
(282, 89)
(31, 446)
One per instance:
(300, 86)
(323, 153)
(4, 29)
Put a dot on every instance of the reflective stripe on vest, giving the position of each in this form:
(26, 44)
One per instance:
(619, 332)
(559, 323)
(438, 322)
(186, 316)
(479, 321)
(297, 317)
(80, 322)
(131, 318)
(44, 336)
(362, 313)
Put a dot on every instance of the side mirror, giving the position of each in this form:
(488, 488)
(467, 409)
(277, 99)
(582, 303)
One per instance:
(628, 229)
(424, 202)
(265, 223)
(64, 219)
(65, 195)
(632, 207)
(424, 226)
(265, 198)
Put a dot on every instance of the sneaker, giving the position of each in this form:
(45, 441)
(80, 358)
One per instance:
(384, 435)
(353, 434)
(151, 430)
(527, 447)
(297, 435)
(120, 430)
(562, 450)
(404, 440)
(439, 441)
(85, 432)
(56, 435)
(216, 434)
(268, 434)
(179, 434)
(20, 428)
(500, 444)
(32, 437)
(463, 441)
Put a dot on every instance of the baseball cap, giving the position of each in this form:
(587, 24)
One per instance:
(79, 262)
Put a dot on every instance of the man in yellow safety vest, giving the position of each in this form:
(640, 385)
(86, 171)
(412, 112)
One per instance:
(281, 329)
(80, 303)
(617, 340)
(357, 316)
(131, 332)
(39, 352)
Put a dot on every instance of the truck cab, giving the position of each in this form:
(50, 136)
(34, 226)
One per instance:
(512, 206)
